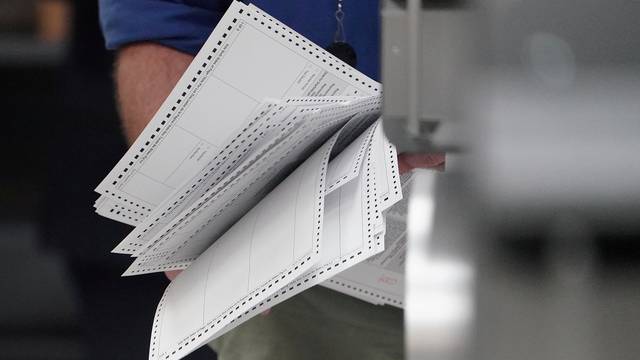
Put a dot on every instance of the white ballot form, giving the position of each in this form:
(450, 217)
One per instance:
(259, 179)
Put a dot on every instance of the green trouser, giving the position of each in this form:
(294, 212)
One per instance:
(317, 324)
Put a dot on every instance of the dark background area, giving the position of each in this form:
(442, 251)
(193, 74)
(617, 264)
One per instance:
(62, 296)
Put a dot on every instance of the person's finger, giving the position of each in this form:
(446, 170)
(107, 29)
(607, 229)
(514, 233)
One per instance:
(172, 274)
(410, 161)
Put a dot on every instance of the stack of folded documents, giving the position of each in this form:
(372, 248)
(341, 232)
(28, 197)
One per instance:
(265, 172)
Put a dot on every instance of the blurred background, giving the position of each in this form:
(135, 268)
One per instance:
(533, 248)
(61, 294)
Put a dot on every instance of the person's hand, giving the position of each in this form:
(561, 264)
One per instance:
(410, 161)
(172, 274)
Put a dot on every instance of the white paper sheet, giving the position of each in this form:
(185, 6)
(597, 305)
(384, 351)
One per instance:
(270, 125)
(185, 237)
(346, 166)
(342, 245)
(264, 249)
(117, 211)
(389, 184)
(341, 248)
(380, 279)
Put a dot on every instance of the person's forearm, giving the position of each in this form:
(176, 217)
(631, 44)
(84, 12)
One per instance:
(145, 73)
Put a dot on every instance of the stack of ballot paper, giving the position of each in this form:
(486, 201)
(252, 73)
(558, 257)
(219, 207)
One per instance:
(265, 172)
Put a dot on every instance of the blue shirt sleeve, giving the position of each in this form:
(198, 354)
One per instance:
(182, 25)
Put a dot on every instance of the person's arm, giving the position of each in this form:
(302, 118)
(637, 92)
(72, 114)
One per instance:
(145, 73)
(155, 41)
(410, 161)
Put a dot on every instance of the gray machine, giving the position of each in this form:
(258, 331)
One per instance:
(537, 104)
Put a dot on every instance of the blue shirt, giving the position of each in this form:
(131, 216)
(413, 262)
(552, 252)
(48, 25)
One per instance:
(186, 24)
